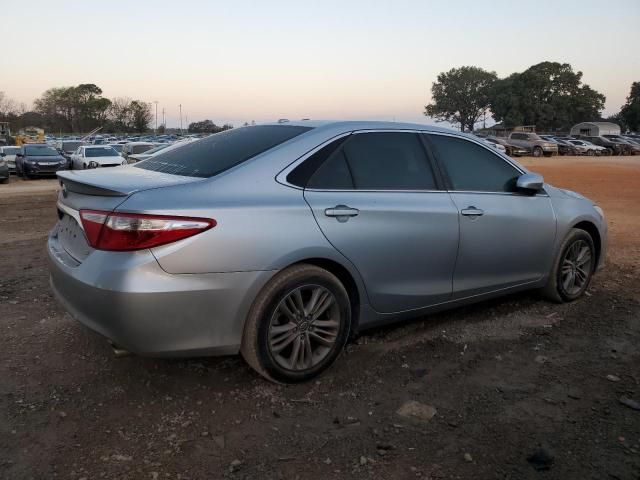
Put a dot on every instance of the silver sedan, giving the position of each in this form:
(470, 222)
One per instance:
(279, 241)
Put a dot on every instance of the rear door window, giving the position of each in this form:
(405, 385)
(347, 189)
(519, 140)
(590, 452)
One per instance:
(217, 153)
(388, 161)
(369, 161)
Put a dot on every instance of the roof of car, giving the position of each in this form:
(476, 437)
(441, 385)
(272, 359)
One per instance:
(363, 125)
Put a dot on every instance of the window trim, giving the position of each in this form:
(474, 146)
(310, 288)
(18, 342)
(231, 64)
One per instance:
(491, 150)
(431, 162)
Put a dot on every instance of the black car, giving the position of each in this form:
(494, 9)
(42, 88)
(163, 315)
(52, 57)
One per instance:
(39, 159)
(4, 170)
(67, 147)
(613, 147)
(564, 148)
(628, 147)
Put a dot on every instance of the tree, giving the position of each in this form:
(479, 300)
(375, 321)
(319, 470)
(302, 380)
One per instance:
(630, 111)
(78, 109)
(461, 96)
(8, 107)
(548, 95)
(118, 115)
(140, 116)
(162, 129)
(207, 126)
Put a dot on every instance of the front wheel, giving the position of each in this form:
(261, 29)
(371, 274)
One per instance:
(298, 325)
(537, 152)
(573, 268)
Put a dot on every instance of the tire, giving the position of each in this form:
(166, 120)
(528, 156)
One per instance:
(558, 289)
(268, 312)
(537, 152)
(590, 153)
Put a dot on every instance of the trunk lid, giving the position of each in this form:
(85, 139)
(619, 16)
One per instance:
(100, 189)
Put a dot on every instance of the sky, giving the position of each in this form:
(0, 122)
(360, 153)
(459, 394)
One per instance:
(241, 60)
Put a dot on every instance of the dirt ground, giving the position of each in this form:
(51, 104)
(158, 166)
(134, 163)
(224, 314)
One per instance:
(509, 379)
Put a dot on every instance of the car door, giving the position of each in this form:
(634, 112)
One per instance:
(506, 236)
(377, 200)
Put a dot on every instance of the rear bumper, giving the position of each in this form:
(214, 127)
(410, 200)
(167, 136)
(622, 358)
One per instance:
(129, 299)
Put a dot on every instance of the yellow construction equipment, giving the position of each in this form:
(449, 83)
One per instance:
(30, 135)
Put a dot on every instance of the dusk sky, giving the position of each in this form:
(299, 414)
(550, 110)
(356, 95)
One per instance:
(237, 61)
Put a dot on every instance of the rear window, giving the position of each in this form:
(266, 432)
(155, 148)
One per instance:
(217, 153)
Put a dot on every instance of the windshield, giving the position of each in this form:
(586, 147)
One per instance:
(70, 146)
(117, 148)
(11, 150)
(217, 153)
(100, 152)
(41, 151)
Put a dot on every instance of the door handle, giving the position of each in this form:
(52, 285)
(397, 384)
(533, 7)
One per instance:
(341, 211)
(472, 212)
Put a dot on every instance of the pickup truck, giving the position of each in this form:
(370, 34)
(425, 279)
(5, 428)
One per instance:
(533, 143)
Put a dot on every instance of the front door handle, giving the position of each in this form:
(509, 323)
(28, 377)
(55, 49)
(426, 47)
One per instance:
(472, 212)
(341, 211)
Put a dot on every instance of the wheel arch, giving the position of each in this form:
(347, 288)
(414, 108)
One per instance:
(594, 233)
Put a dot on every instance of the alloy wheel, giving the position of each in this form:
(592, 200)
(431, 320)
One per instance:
(304, 327)
(576, 267)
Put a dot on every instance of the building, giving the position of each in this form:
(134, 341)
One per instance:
(595, 129)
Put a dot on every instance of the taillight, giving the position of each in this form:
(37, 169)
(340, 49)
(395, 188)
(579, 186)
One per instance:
(135, 231)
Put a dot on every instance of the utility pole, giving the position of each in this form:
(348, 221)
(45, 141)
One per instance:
(156, 130)
(180, 118)
(164, 122)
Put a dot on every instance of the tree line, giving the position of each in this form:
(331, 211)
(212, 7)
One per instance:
(78, 109)
(549, 95)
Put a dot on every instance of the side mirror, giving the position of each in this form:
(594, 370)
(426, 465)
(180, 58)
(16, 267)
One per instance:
(18, 155)
(3, 154)
(531, 182)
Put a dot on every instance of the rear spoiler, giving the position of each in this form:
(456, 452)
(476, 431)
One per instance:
(86, 188)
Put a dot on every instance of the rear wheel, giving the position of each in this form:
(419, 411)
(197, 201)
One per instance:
(298, 325)
(590, 153)
(573, 268)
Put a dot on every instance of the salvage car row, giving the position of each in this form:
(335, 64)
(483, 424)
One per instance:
(42, 159)
(530, 143)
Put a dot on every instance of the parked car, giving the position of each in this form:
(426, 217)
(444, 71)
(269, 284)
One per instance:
(587, 148)
(137, 157)
(628, 147)
(67, 147)
(35, 159)
(498, 146)
(162, 148)
(512, 150)
(94, 156)
(533, 143)
(278, 241)
(613, 148)
(135, 148)
(4, 170)
(564, 148)
(9, 156)
(118, 147)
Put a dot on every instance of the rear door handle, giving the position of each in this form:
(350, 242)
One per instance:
(341, 211)
(472, 212)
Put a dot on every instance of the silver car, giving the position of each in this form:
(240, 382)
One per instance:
(279, 241)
